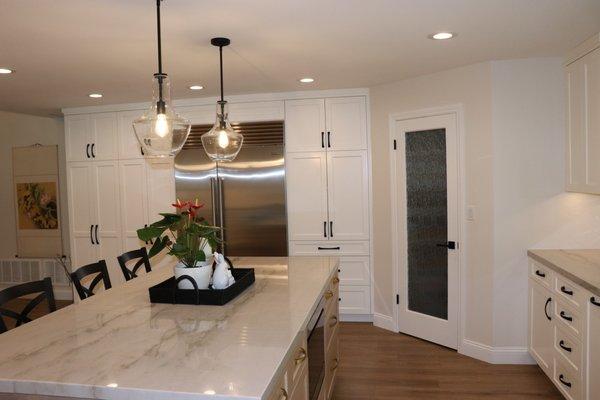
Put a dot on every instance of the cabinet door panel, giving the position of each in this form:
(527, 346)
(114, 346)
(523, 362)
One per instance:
(104, 134)
(108, 218)
(593, 370)
(305, 125)
(306, 185)
(348, 191)
(129, 147)
(134, 197)
(355, 271)
(77, 137)
(81, 213)
(346, 123)
(541, 328)
(161, 194)
(592, 93)
(576, 141)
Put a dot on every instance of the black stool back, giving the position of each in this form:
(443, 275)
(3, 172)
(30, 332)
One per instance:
(95, 268)
(47, 293)
(142, 259)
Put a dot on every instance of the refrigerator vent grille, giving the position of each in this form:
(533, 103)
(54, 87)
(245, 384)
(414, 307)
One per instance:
(261, 133)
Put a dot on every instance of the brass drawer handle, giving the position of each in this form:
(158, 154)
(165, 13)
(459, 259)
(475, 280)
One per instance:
(328, 294)
(336, 280)
(335, 365)
(301, 356)
(284, 394)
(334, 321)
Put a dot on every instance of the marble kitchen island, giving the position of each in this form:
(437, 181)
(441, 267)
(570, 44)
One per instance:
(117, 345)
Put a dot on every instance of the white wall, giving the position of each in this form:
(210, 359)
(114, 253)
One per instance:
(471, 87)
(531, 209)
(25, 130)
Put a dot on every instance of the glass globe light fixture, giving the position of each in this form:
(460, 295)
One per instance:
(160, 130)
(222, 143)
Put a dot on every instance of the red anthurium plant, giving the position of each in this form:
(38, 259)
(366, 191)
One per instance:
(184, 233)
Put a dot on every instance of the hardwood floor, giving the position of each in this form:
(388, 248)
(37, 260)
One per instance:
(378, 364)
(40, 310)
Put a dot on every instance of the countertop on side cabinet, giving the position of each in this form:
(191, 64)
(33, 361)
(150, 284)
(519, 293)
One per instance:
(580, 266)
(117, 345)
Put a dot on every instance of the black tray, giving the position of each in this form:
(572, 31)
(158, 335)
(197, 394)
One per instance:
(168, 292)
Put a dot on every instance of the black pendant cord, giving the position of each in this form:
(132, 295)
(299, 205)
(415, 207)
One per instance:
(160, 105)
(221, 69)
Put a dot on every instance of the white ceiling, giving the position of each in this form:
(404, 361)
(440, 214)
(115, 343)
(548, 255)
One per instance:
(64, 49)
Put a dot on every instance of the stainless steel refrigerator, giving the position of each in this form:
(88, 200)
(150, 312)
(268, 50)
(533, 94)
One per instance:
(245, 197)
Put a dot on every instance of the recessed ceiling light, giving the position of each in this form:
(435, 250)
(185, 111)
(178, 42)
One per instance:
(95, 95)
(306, 80)
(442, 35)
(6, 71)
(196, 87)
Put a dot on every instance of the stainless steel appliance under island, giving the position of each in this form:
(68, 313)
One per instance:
(277, 340)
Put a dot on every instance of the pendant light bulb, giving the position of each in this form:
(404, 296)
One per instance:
(222, 143)
(160, 130)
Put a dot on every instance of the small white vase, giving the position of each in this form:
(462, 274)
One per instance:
(201, 274)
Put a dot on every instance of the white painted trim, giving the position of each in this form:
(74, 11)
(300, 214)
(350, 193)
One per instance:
(458, 111)
(384, 322)
(243, 98)
(495, 355)
(356, 317)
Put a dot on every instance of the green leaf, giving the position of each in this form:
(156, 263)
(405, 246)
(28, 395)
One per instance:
(179, 250)
(158, 246)
(150, 232)
(200, 257)
(168, 220)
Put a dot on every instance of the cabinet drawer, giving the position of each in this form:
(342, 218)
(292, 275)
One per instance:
(573, 294)
(355, 300)
(331, 248)
(567, 380)
(296, 363)
(567, 317)
(540, 273)
(568, 347)
(355, 271)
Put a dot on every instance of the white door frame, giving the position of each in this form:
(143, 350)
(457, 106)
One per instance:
(457, 111)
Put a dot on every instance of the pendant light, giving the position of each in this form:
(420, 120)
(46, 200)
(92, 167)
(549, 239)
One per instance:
(161, 131)
(222, 142)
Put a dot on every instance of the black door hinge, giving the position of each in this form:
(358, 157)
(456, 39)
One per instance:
(397, 299)
(395, 146)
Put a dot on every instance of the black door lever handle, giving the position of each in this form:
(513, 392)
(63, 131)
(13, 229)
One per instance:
(450, 245)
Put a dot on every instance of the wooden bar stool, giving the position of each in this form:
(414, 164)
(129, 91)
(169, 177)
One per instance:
(141, 255)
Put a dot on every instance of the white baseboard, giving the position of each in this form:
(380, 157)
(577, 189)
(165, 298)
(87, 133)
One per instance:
(495, 355)
(356, 318)
(384, 322)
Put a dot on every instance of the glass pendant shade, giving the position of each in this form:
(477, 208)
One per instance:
(222, 142)
(161, 131)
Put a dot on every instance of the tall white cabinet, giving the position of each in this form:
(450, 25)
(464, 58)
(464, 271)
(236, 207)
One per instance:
(113, 190)
(327, 180)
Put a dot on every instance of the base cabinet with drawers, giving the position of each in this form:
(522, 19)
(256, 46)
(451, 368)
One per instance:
(564, 332)
(292, 382)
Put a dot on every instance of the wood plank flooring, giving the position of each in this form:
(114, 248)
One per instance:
(378, 364)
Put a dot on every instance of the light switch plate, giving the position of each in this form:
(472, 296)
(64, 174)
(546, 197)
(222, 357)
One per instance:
(470, 213)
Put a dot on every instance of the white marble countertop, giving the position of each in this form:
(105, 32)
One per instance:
(580, 266)
(117, 345)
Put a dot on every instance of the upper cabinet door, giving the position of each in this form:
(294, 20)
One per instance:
(129, 147)
(346, 123)
(82, 214)
(160, 173)
(134, 199)
(104, 136)
(305, 125)
(348, 191)
(78, 139)
(306, 185)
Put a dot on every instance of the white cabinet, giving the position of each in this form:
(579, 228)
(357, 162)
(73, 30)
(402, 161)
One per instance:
(338, 123)
(583, 123)
(91, 137)
(161, 186)
(94, 209)
(305, 125)
(346, 122)
(134, 199)
(129, 147)
(593, 344)
(348, 194)
(306, 182)
(541, 328)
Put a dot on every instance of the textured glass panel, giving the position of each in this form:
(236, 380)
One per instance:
(427, 222)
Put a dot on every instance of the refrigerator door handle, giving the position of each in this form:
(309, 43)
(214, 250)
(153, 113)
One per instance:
(213, 201)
